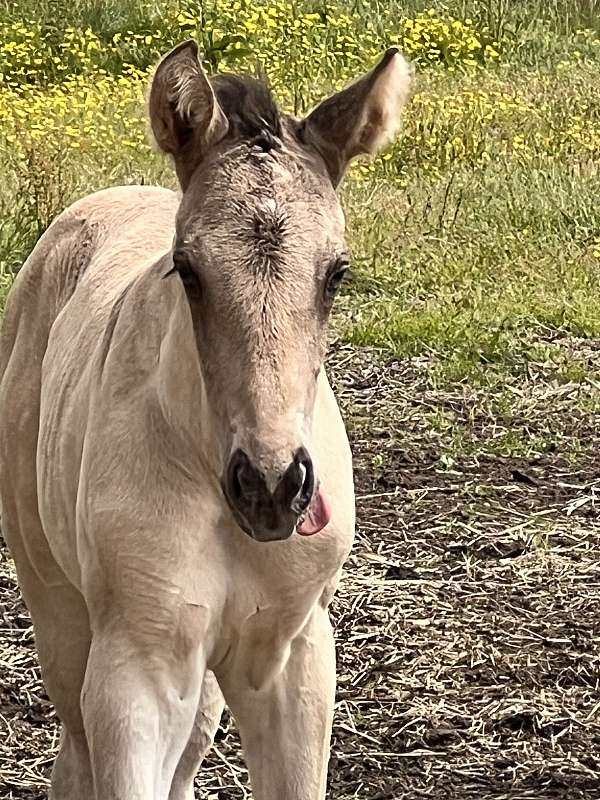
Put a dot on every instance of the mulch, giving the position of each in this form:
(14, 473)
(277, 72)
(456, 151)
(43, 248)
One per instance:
(468, 622)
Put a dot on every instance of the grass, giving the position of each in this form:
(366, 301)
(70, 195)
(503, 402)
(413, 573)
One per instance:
(480, 265)
(476, 239)
(468, 612)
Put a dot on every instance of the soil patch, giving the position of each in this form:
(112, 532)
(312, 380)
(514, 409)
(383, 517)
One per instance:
(468, 622)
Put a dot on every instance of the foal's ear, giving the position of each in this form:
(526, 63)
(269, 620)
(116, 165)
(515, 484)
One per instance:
(362, 118)
(185, 115)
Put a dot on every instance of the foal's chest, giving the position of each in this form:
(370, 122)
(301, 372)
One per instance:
(271, 598)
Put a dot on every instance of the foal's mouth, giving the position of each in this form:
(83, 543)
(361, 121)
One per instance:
(297, 503)
(316, 516)
(273, 528)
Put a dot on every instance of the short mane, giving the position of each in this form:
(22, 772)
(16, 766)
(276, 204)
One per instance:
(251, 109)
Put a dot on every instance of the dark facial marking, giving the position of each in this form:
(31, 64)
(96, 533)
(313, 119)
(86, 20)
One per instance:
(268, 233)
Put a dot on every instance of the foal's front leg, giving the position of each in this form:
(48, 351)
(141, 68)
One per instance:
(286, 727)
(139, 700)
(205, 726)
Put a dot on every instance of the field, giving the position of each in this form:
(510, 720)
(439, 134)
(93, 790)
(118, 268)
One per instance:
(465, 353)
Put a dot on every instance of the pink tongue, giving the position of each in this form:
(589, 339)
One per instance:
(317, 516)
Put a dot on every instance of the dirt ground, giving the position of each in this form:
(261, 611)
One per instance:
(468, 623)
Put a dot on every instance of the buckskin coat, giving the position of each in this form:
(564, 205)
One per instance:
(175, 477)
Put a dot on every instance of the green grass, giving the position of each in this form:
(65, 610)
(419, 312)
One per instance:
(474, 266)
(475, 242)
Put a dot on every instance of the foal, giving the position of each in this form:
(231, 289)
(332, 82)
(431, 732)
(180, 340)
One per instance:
(175, 477)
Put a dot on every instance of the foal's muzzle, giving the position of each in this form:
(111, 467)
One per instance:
(265, 515)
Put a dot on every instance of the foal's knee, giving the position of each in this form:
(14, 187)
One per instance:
(138, 701)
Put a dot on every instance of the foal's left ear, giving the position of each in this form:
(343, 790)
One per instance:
(185, 115)
(362, 118)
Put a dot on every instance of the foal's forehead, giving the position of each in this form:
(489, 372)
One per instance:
(264, 197)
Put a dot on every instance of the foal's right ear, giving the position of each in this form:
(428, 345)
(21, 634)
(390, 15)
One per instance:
(185, 115)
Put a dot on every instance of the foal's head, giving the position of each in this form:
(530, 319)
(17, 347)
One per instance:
(260, 250)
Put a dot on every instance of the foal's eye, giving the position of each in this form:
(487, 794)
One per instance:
(336, 276)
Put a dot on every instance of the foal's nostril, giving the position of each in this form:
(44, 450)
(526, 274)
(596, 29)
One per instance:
(242, 477)
(235, 484)
(295, 488)
(307, 485)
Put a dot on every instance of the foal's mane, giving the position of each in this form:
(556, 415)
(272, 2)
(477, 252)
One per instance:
(251, 109)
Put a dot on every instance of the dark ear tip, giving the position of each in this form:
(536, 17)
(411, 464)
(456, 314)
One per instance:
(388, 55)
(188, 44)
(189, 48)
